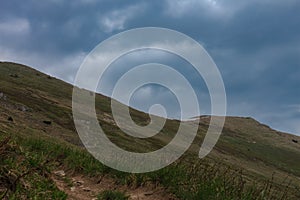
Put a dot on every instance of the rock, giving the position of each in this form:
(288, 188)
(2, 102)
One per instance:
(78, 183)
(148, 193)
(10, 119)
(14, 75)
(47, 122)
(23, 108)
(86, 189)
(60, 173)
(295, 141)
(2, 96)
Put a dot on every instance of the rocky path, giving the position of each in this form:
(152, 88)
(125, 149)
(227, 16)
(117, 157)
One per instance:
(79, 187)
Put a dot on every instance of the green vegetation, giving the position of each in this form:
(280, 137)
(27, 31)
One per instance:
(250, 161)
(32, 159)
(112, 195)
(24, 175)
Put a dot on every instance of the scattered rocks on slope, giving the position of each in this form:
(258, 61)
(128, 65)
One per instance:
(47, 122)
(60, 173)
(23, 108)
(78, 182)
(86, 189)
(89, 188)
(3, 96)
(14, 75)
(295, 141)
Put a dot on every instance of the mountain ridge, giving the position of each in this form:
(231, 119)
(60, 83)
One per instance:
(33, 103)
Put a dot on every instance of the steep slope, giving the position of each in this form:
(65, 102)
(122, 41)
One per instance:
(35, 105)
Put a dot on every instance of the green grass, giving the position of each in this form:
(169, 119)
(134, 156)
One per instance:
(112, 195)
(40, 148)
(263, 151)
(24, 175)
(186, 178)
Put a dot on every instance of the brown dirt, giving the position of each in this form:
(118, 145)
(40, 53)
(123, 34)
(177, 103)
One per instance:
(79, 187)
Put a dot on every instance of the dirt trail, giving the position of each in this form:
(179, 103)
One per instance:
(79, 187)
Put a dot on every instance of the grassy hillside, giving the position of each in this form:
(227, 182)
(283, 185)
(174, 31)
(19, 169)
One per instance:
(37, 134)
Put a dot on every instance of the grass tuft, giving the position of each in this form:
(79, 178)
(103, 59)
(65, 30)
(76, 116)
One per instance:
(112, 195)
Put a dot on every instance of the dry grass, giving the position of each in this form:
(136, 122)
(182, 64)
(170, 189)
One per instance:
(244, 145)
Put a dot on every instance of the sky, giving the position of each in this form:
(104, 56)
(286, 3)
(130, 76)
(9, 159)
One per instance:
(255, 44)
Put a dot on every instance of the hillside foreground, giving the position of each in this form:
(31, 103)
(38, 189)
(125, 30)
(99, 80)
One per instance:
(42, 157)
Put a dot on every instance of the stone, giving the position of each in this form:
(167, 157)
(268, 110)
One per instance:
(2, 96)
(86, 189)
(23, 108)
(72, 189)
(149, 193)
(14, 75)
(47, 122)
(60, 173)
(78, 183)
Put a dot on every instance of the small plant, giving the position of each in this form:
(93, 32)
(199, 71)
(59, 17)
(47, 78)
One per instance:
(24, 175)
(112, 195)
(26, 164)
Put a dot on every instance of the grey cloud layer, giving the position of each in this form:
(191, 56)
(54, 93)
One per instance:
(254, 43)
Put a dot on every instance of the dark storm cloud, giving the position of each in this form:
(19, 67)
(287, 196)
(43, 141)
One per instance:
(255, 44)
(63, 26)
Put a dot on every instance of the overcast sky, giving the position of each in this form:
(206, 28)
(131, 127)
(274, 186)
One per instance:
(255, 44)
